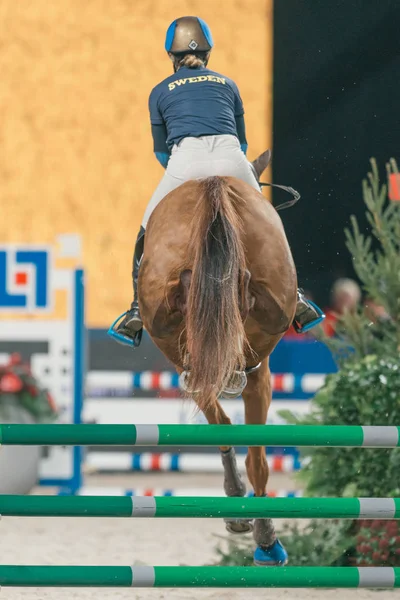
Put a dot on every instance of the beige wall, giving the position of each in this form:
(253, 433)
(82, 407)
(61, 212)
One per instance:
(76, 150)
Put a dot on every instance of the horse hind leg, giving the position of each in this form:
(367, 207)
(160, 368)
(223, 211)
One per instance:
(234, 486)
(233, 482)
(257, 398)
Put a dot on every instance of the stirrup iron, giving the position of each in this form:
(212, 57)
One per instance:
(124, 339)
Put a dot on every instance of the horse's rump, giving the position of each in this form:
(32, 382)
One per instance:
(168, 257)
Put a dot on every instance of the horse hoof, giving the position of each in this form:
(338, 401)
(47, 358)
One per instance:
(239, 526)
(235, 385)
(274, 556)
(184, 383)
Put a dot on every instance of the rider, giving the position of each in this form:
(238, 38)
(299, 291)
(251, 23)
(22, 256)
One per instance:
(197, 123)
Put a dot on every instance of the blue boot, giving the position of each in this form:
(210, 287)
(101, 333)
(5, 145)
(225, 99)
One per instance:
(273, 556)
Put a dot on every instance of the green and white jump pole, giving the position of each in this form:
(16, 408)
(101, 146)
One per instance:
(201, 435)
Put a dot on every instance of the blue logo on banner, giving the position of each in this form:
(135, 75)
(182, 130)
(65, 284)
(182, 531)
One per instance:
(24, 288)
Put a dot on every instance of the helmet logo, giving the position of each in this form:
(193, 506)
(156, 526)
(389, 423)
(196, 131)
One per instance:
(193, 45)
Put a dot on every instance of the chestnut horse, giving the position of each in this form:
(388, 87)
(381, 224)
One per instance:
(217, 292)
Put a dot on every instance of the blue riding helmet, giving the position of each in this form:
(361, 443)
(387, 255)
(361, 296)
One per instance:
(188, 34)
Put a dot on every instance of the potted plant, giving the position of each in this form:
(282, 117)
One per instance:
(22, 400)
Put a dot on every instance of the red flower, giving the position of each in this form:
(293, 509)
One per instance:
(383, 544)
(375, 539)
(10, 384)
(392, 527)
(33, 391)
(385, 556)
(361, 538)
(51, 402)
(376, 556)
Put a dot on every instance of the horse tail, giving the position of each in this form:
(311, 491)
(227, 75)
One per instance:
(216, 339)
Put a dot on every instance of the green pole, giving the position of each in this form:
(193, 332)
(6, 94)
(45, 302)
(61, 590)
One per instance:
(201, 435)
(244, 577)
(278, 508)
(38, 576)
(200, 507)
(68, 435)
(177, 577)
(65, 506)
(261, 435)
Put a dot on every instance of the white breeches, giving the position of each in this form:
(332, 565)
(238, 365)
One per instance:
(197, 158)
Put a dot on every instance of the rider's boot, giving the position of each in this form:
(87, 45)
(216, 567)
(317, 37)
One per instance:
(132, 323)
(308, 314)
